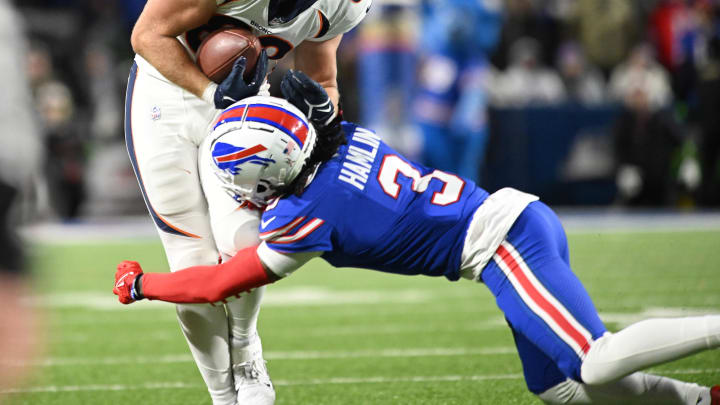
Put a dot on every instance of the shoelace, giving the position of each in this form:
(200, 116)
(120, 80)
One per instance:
(251, 371)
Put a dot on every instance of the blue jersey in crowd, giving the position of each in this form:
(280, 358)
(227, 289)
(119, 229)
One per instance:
(370, 207)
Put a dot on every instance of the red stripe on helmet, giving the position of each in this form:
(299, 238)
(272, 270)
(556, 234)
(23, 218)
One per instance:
(292, 123)
(242, 154)
(236, 112)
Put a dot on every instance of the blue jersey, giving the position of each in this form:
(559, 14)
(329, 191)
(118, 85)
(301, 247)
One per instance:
(370, 207)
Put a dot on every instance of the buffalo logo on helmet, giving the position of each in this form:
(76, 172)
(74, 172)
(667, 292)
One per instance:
(229, 157)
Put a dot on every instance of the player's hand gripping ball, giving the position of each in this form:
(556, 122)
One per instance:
(234, 59)
(309, 96)
(126, 277)
(219, 51)
(235, 88)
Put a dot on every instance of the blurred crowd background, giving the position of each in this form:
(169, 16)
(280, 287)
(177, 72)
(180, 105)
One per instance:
(583, 102)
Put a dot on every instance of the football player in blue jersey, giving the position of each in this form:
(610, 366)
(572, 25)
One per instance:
(335, 190)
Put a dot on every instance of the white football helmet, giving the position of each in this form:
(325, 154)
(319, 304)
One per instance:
(259, 144)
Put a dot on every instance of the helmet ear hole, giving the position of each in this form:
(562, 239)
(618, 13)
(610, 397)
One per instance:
(261, 188)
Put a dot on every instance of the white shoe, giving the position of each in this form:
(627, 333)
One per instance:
(252, 383)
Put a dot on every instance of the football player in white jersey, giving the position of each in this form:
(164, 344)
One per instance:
(170, 104)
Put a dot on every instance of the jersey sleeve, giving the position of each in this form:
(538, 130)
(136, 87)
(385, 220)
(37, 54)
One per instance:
(294, 227)
(297, 234)
(282, 264)
(342, 16)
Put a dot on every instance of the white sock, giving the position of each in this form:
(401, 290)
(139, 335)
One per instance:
(242, 317)
(206, 330)
(637, 388)
(648, 343)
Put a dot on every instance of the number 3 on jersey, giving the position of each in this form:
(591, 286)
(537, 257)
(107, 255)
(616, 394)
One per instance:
(393, 165)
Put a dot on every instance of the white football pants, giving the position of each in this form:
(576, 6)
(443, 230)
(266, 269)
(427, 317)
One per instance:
(164, 125)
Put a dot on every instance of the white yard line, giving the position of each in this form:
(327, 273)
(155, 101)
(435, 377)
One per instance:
(376, 329)
(279, 355)
(99, 387)
(310, 296)
(314, 381)
(381, 380)
(580, 220)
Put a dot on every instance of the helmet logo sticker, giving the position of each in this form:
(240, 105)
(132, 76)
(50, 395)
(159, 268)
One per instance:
(229, 157)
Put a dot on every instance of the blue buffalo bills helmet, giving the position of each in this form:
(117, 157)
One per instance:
(259, 144)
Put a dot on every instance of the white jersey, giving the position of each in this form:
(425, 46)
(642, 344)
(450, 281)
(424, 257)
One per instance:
(281, 27)
(164, 126)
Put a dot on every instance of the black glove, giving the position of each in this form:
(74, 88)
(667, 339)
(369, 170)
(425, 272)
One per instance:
(309, 96)
(234, 88)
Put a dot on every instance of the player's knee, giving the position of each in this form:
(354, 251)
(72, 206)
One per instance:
(237, 231)
(598, 367)
(549, 397)
(594, 373)
(183, 252)
(171, 189)
(198, 317)
(566, 392)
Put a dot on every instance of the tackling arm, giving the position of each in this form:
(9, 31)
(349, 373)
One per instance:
(319, 61)
(154, 38)
(198, 284)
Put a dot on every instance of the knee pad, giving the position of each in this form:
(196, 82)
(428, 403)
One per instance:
(235, 232)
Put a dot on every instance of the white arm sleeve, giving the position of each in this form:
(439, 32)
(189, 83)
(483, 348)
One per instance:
(283, 264)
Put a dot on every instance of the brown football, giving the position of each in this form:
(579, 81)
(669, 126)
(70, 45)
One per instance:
(217, 53)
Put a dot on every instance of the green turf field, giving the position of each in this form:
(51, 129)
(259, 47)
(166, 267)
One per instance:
(349, 336)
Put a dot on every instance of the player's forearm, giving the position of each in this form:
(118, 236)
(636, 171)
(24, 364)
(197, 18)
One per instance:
(154, 38)
(207, 284)
(334, 95)
(169, 57)
(318, 60)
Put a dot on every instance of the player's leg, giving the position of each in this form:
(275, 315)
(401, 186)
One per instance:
(636, 388)
(545, 304)
(539, 370)
(539, 295)
(545, 380)
(235, 228)
(252, 380)
(647, 343)
(165, 163)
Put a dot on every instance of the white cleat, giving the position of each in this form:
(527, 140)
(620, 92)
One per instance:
(252, 383)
